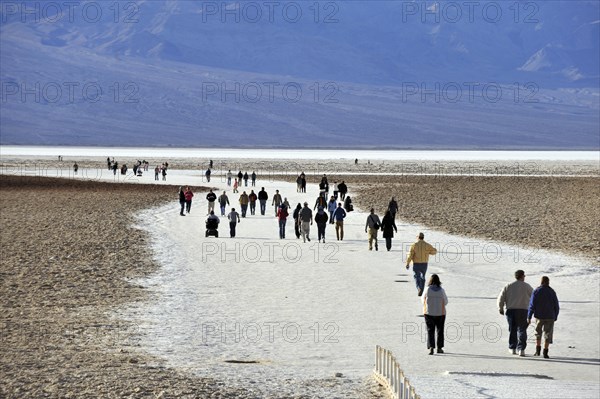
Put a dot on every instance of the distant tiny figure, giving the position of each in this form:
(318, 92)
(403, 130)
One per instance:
(393, 207)
(262, 199)
(229, 176)
(246, 179)
(388, 227)
(235, 186)
(188, 199)
(164, 172)
(210, 164)
(234, 219)
(343, 190)
(252, 202)
(515, 297)
(371, 227)
(305, 219)
(277, 201)
(207, 174)
(108, 163)
(182, 200)
(115, 167)
(60, 158)
(321, 219)
(419, 255)
(211, 198)
(253, 179)
(296, 216)
(356, 161)
(240, 176)
(223, 202)
(282, 215)
(338, 215)
(434, 309)
(244, 203)
(544, 306)
(75, 168)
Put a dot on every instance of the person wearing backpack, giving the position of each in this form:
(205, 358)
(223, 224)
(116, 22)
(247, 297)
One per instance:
(371, 227)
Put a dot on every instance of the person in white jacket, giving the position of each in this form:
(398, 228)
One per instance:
(434, 309)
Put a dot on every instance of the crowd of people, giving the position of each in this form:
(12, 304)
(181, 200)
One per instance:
(518, 301)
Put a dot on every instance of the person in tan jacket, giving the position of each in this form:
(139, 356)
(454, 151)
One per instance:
(515, 296)
(419, 255)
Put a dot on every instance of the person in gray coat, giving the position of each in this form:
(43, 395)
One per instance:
(434, 309)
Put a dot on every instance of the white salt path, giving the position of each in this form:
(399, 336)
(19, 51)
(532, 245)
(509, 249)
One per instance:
(308, 311)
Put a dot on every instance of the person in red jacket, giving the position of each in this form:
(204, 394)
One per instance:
(188, 199)
(282, 214)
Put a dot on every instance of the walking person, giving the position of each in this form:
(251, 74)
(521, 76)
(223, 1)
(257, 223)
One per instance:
(244, 203)
(515, 297)
(331, 207)
(277, 201)
(393, 207)
(302, 182)
(115, 167)
(207, 174)
(245, 179)
(156, 173)
(321, 201)
(296, 216)
(253, 179)
(544, 306)
(434, 309)
(262, 199)
(164, 173)
(371, 227)
(75, 168)
(234, 219)
(343, 189)
(298, 184)
(321, 219)
(305, 218)
(181, 200)
(336, 190)
(388, 227)
(252, 201)
(223, 202)
(419, 255)
(229, 176)
(188, 199)
(211, 198)
(240, 176)
(339, 214)
(282, 215)
(235, 186)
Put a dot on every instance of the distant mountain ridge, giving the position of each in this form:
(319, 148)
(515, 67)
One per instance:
(365, 55)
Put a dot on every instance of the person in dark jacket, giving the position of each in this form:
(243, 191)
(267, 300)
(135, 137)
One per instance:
(544, 306)
(343, 189)
(348, 204)
(296, 215)
(262, 199)
(246, 179)
(211, 198)
(240, 176)
(207, 174)
(388, 227)
(321, 219)
(393, 207)
(181, 200)
(338, 215)
(252, 201)
(223, 202)
(253, 179)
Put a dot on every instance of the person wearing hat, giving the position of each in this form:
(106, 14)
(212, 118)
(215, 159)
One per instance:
(419, 255)
(515, 297)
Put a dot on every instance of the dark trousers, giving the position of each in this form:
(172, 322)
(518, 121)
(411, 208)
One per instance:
(517, 328)
(182, 203)
(232, 228)
(188, 206)
(321, 230)
(263, 206)
(435, 323)
(282, 228)
(419, 270)
(388, 243)
(296, 228)
(244, 210)
(252, 207)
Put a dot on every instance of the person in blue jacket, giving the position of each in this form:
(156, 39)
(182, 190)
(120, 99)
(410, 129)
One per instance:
(544, 306)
